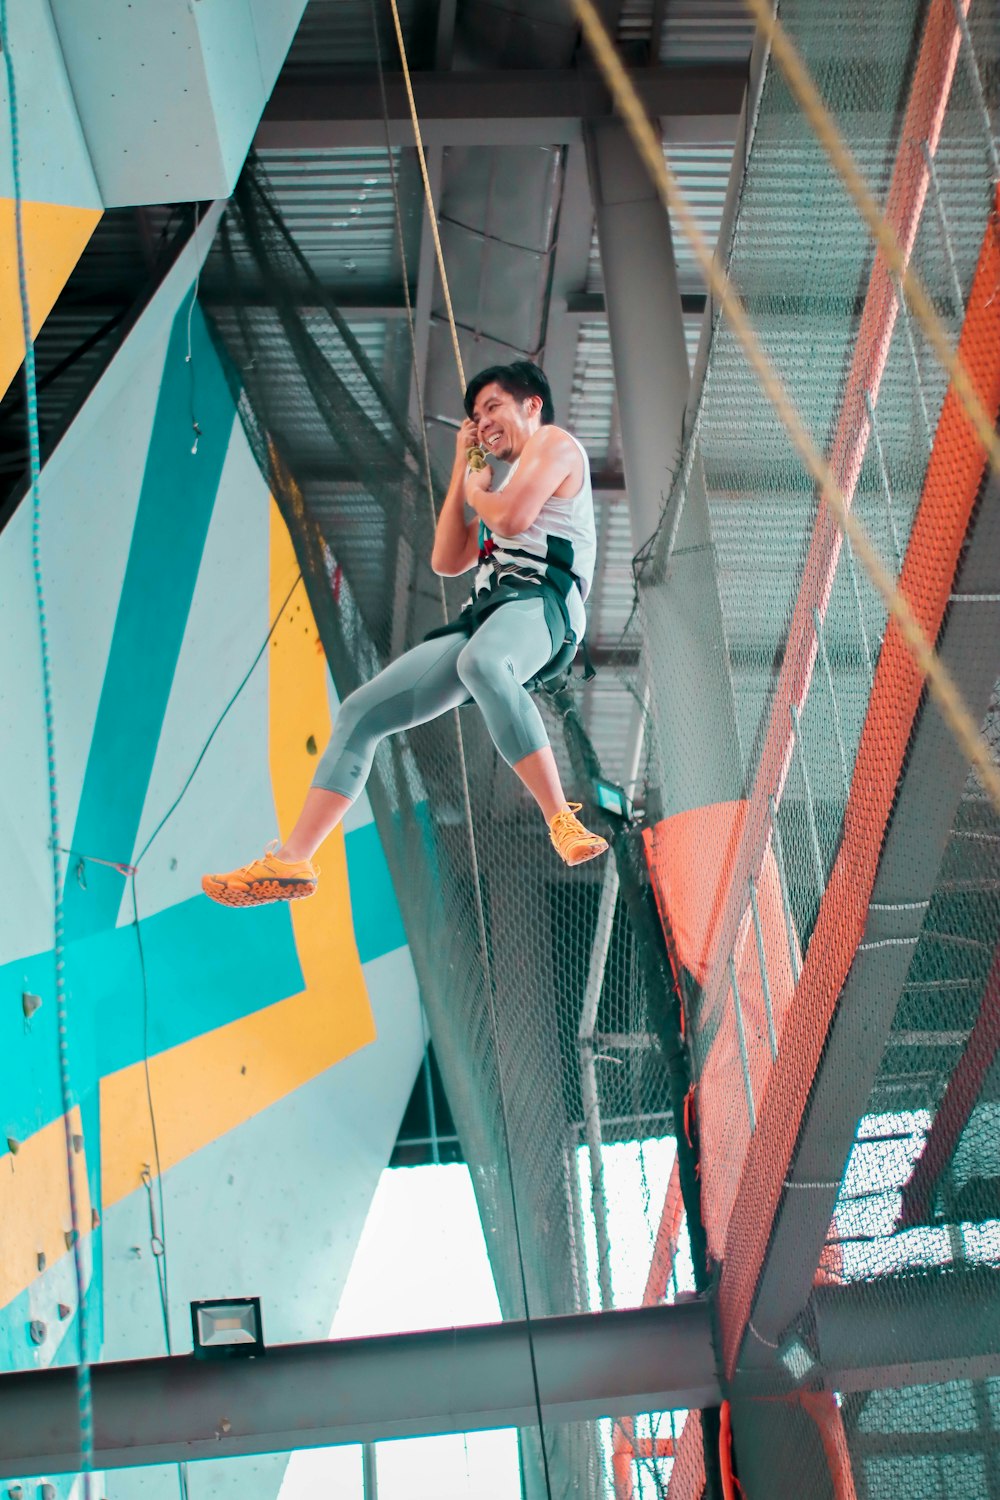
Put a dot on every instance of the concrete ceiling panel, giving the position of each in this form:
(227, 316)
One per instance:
(508, 192)
(170, 93)
(497, 287)
(140, 84)
(516, 33)
(55, 165)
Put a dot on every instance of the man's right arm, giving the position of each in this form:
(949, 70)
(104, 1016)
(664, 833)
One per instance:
(456, 539)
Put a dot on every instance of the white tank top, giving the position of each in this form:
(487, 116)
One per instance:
(562, 535)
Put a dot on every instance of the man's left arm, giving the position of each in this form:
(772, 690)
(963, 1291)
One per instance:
(546, 462)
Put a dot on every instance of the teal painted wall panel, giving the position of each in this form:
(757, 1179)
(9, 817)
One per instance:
(55, 165)
(175, 509)
(170, 93)
(378, 925)
(205, 967)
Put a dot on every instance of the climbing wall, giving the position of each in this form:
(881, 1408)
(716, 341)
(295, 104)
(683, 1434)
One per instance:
(237, 1077)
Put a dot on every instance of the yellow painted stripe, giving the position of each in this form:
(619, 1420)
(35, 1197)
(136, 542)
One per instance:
(54, 239)
(300, 728)
(34, 1204)
(215, 1082)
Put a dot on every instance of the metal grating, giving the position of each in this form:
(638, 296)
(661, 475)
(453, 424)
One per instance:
(338, 33)
(338, 208)
(706, 31)
(591, 411)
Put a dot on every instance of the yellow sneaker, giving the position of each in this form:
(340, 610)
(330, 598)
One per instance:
(572, 841)
(262, 881)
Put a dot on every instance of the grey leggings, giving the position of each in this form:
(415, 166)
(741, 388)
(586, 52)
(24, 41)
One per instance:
(509, 648)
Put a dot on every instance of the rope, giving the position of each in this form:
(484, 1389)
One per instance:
(940, 681)
(466, 792)
(428, 195)
(83, 1382)
(825, 129)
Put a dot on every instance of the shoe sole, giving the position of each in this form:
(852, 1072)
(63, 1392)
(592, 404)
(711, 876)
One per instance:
(581, 859)
(261, 893)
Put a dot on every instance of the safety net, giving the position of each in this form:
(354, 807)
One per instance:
(547, 991)
(826, 862)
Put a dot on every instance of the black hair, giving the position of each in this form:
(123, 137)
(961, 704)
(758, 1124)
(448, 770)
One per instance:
(520, 380)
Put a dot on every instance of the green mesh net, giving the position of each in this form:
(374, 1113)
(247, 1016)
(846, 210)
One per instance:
(838, 949)
(547, 991)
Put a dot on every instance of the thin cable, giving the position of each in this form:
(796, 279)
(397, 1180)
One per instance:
(157, 1233)
(157, 1230)
(217, 726)
(940, 681)
(189, 358)
(466, 794)
(83, 1382)
(429, 196)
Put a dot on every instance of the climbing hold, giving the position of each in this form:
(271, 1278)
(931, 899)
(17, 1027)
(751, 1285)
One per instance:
(70, 1237)
(77, 1144)
(46, 1492)
(41, 1261)
(95, 1219)
(13, 1145)
(30, 1003)
(64, 1311)
(311, 746)
(36, 1331)
(15, 1492)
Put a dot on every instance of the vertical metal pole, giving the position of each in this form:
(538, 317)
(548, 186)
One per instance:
(432, 1125)
(810, 807)
(575, 1207)
(779, 859)
(369, 1471)
(884, 471)
(652, 378)
(821, 641)
(598, 1198)
(765, 979)
(742, 1041)
(589, 1092)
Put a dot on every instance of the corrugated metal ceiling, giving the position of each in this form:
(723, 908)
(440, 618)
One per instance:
(337, 205)
(339, 34)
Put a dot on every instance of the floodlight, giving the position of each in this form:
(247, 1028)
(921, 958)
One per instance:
(227, 1328)
(797, 1358)
(612, 798)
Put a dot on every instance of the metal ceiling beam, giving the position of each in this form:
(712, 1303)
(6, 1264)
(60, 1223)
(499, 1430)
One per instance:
(652, 381)
(898, 1330)
(569, 279)
(361, 1390)
(495, 107)
(593, 304)
(923, 1329)
(918, 836)
(358, 306)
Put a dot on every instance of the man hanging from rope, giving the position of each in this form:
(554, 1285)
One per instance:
(534, 541)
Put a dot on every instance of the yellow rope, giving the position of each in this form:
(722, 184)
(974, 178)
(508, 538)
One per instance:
(428, 195)
(942, 685)
(825, 128)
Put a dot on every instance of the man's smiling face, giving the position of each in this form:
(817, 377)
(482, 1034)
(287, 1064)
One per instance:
(505, 423)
